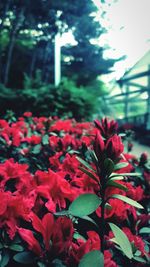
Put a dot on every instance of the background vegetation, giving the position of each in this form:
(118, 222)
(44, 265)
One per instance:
(27, 31)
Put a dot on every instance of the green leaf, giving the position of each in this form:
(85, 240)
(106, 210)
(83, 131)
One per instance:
(41, 264)
(93, 258)
(132, 174)
(36, 149)
(4, 258)
(139, 259)
(58, 263)
(145, 230)
(45, 139)
(78, 236)
(116, 177)
(16, 247)
(72, 151)
(108, 206)
(128, 200)
(120, 165)
(92, 176)
(86, 164)
(114, 184)
(24, 257)
(122, 240)
(109, 166)
(62, 213)
(93, 157)
(84, 205)
(137, 253)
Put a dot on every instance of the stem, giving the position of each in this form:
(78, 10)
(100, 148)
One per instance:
(102, 219)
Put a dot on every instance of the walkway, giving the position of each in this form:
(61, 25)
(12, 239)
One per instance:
(139, 148)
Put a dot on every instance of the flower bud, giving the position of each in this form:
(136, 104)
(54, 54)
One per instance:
(107, 128)
(143, 158)
(99, 146)
(114, 147)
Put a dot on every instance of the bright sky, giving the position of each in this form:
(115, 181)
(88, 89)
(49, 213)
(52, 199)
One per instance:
(128, 24)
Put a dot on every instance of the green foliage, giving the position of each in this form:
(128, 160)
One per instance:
(24, 257)
(45, 100)
(122, 240)
(128, 200)
(84, 205)
(93, 258)
(27, 33)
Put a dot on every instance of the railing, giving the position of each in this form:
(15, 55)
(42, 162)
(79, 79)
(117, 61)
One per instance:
(137, 121)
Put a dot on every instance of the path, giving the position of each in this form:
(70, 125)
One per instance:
(139, 148)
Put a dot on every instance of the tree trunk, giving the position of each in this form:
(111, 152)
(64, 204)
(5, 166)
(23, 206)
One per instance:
(33, 61)
(18, 24)
(3, 17)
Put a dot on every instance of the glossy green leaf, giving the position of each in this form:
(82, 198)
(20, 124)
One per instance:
(36, 149)
(132, 174)
(45, 139)
(78, 236)
(122, 240)
(58, 263)
(145, 230)
(62, 213)
(86, 164)
(109, 166)
(93, 258)
(108, 206)
(114, 184)
(16, 247)
(24, 257)
(120, 165)
(93, 156)
(128, 200)
(139, 259)
(84, 205)
(72, 151)
(4, 258)
(116, 177)
(41, 264)
(91, 175)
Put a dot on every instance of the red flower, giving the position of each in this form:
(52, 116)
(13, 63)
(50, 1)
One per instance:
(54, 188)
(107, 128)
(29, 238)
(143, 158)
(33, 140)
(108, 262)
(62, 236)
(146, 175)
(27, 114)
(44, 226)
(137, 240)
(134, 193)
(114, 147)
(81, 247)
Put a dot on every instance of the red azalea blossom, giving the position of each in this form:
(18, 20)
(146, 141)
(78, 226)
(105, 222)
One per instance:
(35, 186)
(29, 238)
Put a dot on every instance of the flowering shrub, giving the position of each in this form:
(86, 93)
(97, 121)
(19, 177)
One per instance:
(70, 196)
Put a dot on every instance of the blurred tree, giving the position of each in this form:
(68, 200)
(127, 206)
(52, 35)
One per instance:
(27, 30)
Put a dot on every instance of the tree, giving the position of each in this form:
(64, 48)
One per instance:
(30, 29)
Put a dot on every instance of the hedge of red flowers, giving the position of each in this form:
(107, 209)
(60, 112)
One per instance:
(70, 196)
